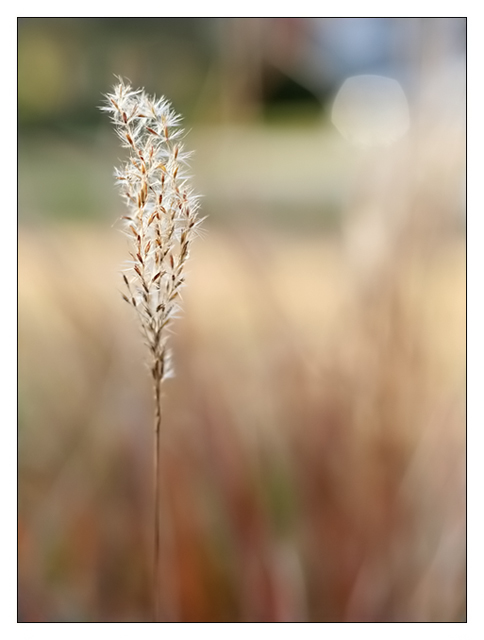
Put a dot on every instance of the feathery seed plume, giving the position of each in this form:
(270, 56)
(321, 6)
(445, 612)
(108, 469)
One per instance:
(163, 209)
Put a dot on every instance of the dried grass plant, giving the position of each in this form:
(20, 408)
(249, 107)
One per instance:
(161, 224)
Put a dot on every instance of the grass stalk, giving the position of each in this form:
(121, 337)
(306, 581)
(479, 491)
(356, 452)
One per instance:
(160, 227)
(156, 498)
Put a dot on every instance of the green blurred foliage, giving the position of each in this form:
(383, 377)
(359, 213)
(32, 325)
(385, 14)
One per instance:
(65, 64)
(254, 94)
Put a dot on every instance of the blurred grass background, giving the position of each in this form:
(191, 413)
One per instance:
(314, 437)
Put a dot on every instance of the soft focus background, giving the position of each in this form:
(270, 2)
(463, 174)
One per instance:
(313, 448)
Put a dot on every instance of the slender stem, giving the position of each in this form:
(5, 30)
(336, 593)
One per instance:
(156, 493)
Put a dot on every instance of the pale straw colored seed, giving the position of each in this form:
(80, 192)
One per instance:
(163, 210)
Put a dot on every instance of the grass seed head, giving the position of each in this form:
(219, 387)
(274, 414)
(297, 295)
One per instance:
(154, 174)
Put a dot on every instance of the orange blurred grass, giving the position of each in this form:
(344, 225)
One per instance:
(314, 446)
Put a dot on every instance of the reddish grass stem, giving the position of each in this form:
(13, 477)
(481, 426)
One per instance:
(156, 506)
